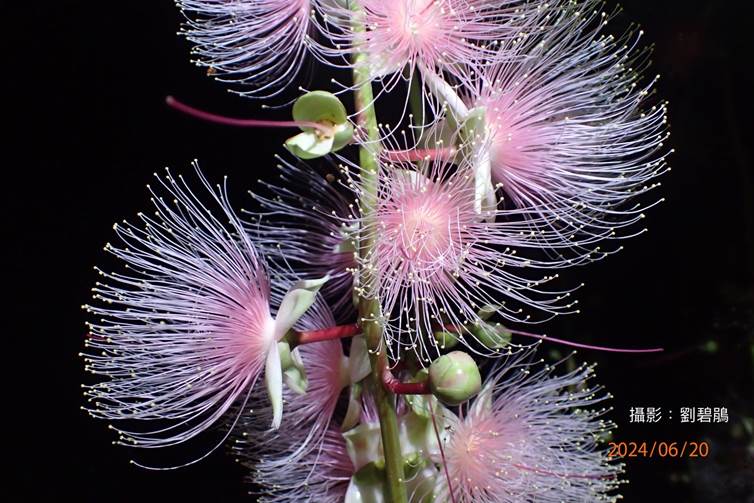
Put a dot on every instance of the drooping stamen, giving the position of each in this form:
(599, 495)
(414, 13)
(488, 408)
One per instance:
(404, 388)
(232, 121)
(296, 337)
(420, 154)
(442, 453)
(585, 346)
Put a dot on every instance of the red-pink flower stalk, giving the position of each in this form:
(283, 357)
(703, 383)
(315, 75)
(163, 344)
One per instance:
(530, 436)
(233, 121)
(296, 337)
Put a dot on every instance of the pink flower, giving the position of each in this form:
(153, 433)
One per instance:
(305, 222)
(259, 44)
(322, 475)
(438, 261)
(309, 413)
(572, 134)
(530, 436)
(186, 330)
(431, 35)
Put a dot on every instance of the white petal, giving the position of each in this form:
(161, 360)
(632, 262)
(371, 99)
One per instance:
(273, 377)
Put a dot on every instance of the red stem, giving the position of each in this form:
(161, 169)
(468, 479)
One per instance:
(404, 388)
(326, 334)
(231, 121)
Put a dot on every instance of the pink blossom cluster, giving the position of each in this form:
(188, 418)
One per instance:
(532, 146)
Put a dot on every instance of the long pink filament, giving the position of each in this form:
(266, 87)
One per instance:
(442, 452)
(586, 346)
(231, 121)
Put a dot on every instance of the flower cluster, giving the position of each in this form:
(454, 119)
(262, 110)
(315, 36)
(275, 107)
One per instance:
(315, 332)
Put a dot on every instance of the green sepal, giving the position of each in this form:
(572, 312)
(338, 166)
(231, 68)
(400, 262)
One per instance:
(368, 484)
(319, 106)
(359, 366)
(309, 145)
(295, 303)
(487, 311)
(294, 373)
(445, 339)
(474, 126)
(491, 336)
(326, 109)
(353, 413)
(421, 405)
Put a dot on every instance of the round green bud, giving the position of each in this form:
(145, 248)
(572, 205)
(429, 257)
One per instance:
(454, 378)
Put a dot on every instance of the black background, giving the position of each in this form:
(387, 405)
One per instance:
(88, 127)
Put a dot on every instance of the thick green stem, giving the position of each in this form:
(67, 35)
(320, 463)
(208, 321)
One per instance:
(369, 308)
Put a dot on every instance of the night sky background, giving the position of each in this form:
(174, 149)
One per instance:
(88, 126)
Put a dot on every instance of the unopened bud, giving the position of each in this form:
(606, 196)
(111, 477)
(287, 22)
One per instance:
(454, 378)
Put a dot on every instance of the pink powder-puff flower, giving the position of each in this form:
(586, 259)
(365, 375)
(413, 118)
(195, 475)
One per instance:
(186, 329)
(321, 475)
(437, 262)
(572, 134)
(427, 35)
(311, 397)
(258, 44)
(530, 436)
(303, 222)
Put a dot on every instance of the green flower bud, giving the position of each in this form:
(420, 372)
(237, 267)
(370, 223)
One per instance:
(325, 109)
(454, 378)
